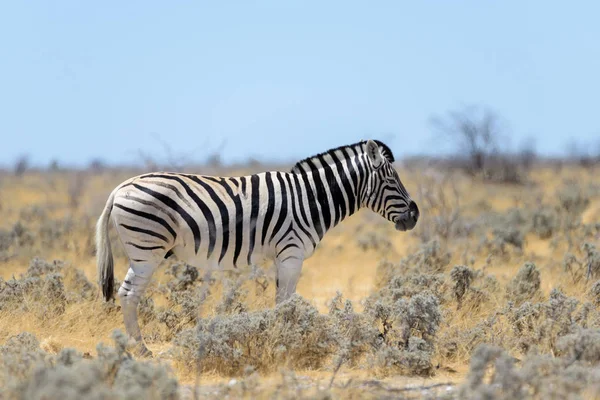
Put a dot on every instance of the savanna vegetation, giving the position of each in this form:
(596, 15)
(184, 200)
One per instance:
(494, 294)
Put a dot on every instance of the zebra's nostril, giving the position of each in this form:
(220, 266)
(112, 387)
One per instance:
(414, 210)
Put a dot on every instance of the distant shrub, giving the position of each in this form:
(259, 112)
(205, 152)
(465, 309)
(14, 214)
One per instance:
(80, 287)
(545, 223)
(45, 289)
(573, 199)
(594, 293)
(462, 277)
(184, 276)
(525, 285)
(592, 260)
(585, 266)
(431, 258)
(231, 301)
(509, 236)
(374, 241)
(403, 286)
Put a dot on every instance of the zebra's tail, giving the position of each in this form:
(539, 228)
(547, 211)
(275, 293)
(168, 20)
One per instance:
(104, 257)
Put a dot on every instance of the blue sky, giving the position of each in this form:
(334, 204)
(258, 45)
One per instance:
(282, 80)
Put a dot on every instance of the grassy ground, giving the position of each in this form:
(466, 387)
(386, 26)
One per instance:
(520, 315)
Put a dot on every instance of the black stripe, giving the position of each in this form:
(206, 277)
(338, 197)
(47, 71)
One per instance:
(239, 216)
(239, 227)
(346, 183)
(254, 206)
(286, 236)
(394, 197)
(146, 231)
(312, 204)
(174, 188)
(137, 260)
(156, 206)
(287, 246)
(354, 178)
(151, 217)
(210, 219)
(380, 193)
(243, 181)
(321, 195)
(223, 211)
(337, 197)
(270, 207)
(298, 195)
(169, 254)
(283, 210)
(362, 177)
(176, 207)
(211, 178)
(295, 201)
(145, 247)
(165, 185)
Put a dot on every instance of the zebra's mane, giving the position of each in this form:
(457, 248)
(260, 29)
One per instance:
(385, 150)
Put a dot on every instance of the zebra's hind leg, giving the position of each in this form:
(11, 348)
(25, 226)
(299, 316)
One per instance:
(288, 273)
(133, 287)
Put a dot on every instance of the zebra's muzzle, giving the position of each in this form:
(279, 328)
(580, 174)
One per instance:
(409, 219)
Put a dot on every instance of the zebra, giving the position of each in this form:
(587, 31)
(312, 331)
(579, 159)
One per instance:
(232, 222)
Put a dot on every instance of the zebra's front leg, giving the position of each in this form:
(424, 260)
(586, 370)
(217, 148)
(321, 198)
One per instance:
(133, 287)
(288, 273)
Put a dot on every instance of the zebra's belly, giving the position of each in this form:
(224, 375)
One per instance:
(226, 262)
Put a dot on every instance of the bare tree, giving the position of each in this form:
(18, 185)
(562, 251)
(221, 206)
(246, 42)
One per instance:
(21, 165)
(475, 132)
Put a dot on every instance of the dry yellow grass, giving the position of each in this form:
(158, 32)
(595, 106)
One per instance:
(338, 265)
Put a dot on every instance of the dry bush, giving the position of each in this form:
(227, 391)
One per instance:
(376, 241)
(431, 258)
(525, 285)
(587, 265)
(508, 234)
(594, 293)
(493, 374)
(573, 199)
(462, 277)
(545, 223)
(439, 194)
(292, 334)
(42, 290)
(29, 372)
(357, 335)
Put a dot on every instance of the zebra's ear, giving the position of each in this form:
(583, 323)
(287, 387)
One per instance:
(374, 154)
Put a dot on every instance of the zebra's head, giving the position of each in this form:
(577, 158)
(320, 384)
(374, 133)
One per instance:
(385, 193)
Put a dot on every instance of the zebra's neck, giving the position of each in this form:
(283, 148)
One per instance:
(335, 185)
